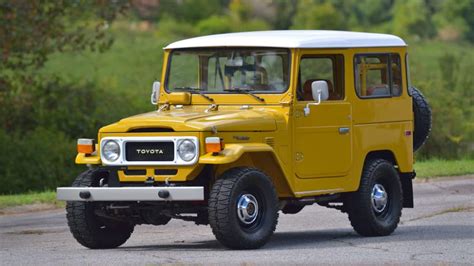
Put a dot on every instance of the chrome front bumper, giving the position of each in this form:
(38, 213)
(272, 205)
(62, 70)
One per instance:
(130, 193)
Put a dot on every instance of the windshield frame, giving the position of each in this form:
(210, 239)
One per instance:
(230, 92)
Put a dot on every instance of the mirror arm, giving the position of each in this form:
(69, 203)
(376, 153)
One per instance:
(306, 110)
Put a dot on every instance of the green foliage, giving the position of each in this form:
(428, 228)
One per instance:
(69, 108)
(412, 18)
(37, 160)
(322, 17)
(169, 26)
(450, 96)
(31, 30)
(455, 19)
(215, 24)
(239, 18)
(38, 149)
(286, 10)
(190, 11)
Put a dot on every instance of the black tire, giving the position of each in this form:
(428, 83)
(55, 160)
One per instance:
(367, 218)
(232, 187)
(86, 227)
(422, 118)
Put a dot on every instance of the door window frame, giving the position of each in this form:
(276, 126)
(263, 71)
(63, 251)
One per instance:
(333, 58)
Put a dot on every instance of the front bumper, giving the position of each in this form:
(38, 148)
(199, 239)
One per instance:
(130, 193)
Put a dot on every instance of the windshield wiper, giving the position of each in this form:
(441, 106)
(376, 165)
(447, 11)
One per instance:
(195, 90)
(246, 91)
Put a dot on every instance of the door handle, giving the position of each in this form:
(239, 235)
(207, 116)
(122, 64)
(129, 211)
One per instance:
(343, 130)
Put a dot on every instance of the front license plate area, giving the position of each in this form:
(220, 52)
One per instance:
(149, 151)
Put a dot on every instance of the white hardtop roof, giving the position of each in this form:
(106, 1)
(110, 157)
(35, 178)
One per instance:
(292, 39)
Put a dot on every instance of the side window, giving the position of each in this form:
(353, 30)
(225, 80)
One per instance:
(328, 68)
(374, 78)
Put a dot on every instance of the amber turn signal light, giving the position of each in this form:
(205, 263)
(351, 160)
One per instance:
(214, 144)
(86, 146)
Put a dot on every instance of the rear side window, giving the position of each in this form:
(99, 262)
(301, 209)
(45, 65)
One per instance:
(378, 75)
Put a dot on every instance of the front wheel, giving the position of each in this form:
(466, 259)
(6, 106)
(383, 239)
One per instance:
(375, 209)
(243, 208)
(89, 229)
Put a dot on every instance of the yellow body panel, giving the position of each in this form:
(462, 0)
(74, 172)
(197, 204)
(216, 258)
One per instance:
(233, 152)
(82, 158)
(304, 155)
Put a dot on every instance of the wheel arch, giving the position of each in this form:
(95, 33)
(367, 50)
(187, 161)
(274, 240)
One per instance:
(405, 178)
(381, 154)
(257, 155)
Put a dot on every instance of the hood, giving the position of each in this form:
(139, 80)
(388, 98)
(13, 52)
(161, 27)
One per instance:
(197, 120)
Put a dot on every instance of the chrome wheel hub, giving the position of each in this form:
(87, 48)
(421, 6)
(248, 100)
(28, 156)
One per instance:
(379, 198)
(247, 208)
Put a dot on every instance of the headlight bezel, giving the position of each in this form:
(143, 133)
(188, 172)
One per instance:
(122, 161)
(103, 150)
(193, 146)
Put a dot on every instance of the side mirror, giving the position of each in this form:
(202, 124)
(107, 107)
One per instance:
(155, 92)
(320, 91)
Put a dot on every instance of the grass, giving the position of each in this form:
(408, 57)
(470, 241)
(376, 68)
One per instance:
(437, 168)
(47, 197)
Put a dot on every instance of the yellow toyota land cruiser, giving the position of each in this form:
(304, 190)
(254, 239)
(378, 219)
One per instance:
(250, 124)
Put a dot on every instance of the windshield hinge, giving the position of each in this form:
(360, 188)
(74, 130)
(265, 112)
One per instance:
(164, 107)
(212, 107)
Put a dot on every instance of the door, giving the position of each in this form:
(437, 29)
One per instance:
(323, 138)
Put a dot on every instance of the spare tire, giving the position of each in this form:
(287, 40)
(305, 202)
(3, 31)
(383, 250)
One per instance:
(422, 118)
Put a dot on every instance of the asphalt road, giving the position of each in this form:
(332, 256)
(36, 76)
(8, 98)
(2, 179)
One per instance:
(440, 230)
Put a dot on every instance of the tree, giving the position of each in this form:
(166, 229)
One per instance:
(412, 18)
(455, 19)
(322, 16)
(33, 29)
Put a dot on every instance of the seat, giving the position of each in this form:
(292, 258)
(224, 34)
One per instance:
(378, 90)
(308, 94)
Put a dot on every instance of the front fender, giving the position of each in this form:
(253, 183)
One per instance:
(232, 152)
(82, 158)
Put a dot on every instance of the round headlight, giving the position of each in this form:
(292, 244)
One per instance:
(111, 150)
(187, 150)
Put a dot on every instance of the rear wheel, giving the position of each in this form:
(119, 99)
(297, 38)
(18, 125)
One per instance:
(243, 208)
(375, 209)
(89, 229)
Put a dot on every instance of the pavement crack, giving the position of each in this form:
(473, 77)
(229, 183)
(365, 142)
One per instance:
(451, 210)
(351, 244)
(414, 257)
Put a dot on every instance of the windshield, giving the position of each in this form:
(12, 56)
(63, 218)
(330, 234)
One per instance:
(228, 70)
